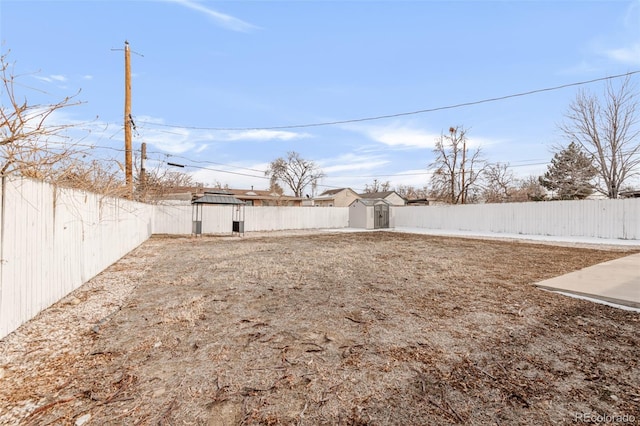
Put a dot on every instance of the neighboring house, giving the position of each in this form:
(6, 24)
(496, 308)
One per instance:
(341, 197)
(180, 195)
(630, 194)
(250, 197)
(254, 197)
(392, 197)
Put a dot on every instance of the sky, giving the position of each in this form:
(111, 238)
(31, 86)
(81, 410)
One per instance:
(225, 87)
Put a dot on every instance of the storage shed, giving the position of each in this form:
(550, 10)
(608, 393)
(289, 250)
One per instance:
(369, 213)
(218, 199)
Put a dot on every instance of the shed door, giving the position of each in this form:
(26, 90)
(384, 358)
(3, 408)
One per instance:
(381, 216)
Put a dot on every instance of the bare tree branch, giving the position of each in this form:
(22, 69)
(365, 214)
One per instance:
(30, 145)
(377, 186)
(455, 173)
(295, 172)
(608, 130)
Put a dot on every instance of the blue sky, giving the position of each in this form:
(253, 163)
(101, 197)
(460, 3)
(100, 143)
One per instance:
(251, 65)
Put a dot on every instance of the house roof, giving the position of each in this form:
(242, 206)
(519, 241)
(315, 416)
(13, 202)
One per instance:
(630, 194)
(384, 194)
(335, 191)
(255, 194)
(217, 198)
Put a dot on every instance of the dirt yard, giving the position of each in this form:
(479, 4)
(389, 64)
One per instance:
(353, 329)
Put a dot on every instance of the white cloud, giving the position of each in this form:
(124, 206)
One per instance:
(262, 135)
(626, 47)
(52, 78)
(224, 20)
(178, 140)
(417, 178)
(351, 163)
(626, 55)
(396, 135)
(404, 136)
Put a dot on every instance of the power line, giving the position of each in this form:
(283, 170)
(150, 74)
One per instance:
(215, 170)
(400, 114)
(165, 160)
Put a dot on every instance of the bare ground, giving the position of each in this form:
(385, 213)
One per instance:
(354, 329)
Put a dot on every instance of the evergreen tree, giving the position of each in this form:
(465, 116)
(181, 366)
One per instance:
(570, 174)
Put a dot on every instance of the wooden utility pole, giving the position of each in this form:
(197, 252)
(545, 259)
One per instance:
(464, 154)
(143, 156)
(127, 121)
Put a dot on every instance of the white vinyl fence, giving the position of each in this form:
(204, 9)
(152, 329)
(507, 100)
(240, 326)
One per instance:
(611, 219)
(218, 219)
(52, 240)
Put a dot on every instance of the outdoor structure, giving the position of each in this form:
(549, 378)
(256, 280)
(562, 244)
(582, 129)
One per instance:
(392, 197)
(218, 199)
(369, 213)
(342, 197)
(251, 197)
(258, 198)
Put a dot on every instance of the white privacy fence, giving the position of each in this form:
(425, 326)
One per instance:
(611, 219)
(52, 240)
(218, 219)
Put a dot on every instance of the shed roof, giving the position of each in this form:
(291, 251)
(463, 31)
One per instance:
(371, 201)
(217, 198)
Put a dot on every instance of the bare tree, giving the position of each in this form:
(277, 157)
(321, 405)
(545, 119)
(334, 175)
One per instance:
(294, 172)
(455, 172)
(607, 129)
(499, 183)
(102, 176)
(410, 192)
(220, 186)
(528, 189)
(159, 181)
(377, 186)
(274, 186)
(30, 145)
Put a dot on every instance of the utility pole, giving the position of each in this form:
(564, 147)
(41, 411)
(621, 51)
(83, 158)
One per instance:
(464, 154)
(127, 121)
(143, 173)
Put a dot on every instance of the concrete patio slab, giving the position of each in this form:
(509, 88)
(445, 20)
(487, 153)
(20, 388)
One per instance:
(616, 281)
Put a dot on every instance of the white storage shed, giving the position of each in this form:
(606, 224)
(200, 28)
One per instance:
(372, 213)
